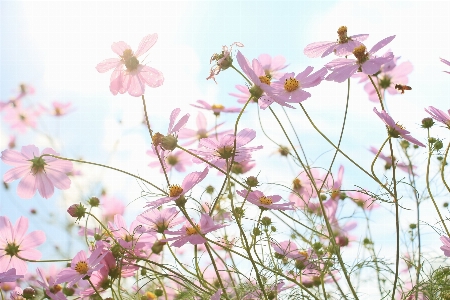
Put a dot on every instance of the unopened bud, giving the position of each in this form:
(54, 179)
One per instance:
(209, 189)
(404, 144)
(77, 211)
(159, 292)
(438, 145)
(94, 202)
(158, 247)
(29, 293)
(427, 123)
(266, 221)
(169, 142)
(256, 231)
(412, 226)
(252, 181)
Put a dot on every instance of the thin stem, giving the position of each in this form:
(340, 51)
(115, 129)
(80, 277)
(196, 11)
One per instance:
(444, 162)
(98, 294)
(43, 260)
(216, 270)
(108, 167)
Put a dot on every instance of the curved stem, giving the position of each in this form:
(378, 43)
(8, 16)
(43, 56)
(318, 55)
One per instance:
(108, 167)
(95, 289)
(444, 162)
(43, 260)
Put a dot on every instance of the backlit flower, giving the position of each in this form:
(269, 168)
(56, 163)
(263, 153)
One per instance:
(201, 132)
(52, 290)
(187, 233)
(439, 115)
(14, 243)
(272, 65)
(366, 62)
(265, 202)
(395, 130)
(160, 220)
(216, 108)
(129, 75)
(445, 62)
(388, 160)
(37, 173)
(342, 47)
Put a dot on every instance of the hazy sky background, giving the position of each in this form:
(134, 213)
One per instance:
(55, 46)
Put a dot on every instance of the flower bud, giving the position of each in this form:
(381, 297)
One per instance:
(256, 231)
(180, 202)
(438, 145)
(266, 221)
(169, 142)
(209, 189)
(77, 211)
(159, 292)
(412, 226)
(404, 144)
(68, 291)
(157, 138)
(427, 123)
(158, 247)
(252, 181)
(29, 293)
(431, 140)
(94, 202)
(238, 212)
(445, 204)
(273, 228)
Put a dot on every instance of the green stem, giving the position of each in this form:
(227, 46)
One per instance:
(98, 294)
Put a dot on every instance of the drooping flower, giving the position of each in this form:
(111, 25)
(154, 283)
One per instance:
(176, 192)
(169, 142)
(160, 220)
(265, 202)
(218, 152)
(80, 267)
(223, 60)
(391, 74)
(366, 62)
(59, 109)
(445, 62)
(52, 290)
(20, 118)
(9, 276)
(129, 75)
(216, 108)
(201, 132)
(342, 47)
(37, 173)
(439, 115)
(388, 160)
(290, 88)
(395, 130)
(14, 243)
(187, 233)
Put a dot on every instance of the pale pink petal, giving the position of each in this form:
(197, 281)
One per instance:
(245, 136)
(318, 48)
(152, 77)
(30, 151)
(31, 240)
(27, 186)
(201, 121)
(116, 81)
(342, 73)
(173, 115)
(180, 123)
(119, 47)
(16, 173)
(14, 158)
(137, 86)
(146, 43)
(44, 185)
(108, 64)
(58, 179)
(381, 44)
(20, 228)
(193, 179)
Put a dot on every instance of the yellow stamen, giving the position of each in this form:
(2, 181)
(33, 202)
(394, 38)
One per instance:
(175, 190)
(291, 84)
(82, 267)
(265, 200)
(265, 79)
(297, 184)
(217, 106)
(192, 230)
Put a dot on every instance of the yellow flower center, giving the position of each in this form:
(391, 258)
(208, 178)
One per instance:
(150, 296)
(131, 62)
(57, 111)
(217, 106)
(172, 160)
(81, 267)
(175, 190)
(265, 200)
(265, 79)
(291, 84)
(192, 230)
(303, 253)
(361, 54)
(55, 289)
(297, 183)
(342, 33)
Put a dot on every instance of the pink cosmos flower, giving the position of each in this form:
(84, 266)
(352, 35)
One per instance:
(80, 267)
(223, 60)
(261, 90)
(218, 152)
(201, 132)
(9, 276)
(14, 242)
(20, 118)
(289, 89)
(342, 47)
(445, 62)
(129, 75)
(187, 233)
(12, 142)
(337, 183)
(272, 289)
(366, 62)
(171, 159)
(216, 108)
(395, 130)
(52, 290)
(216, 295)
(111, 206)
(272, 65)
(60, 109)
(388, 160)
(37, 173)
(446, 247)
(265, 202)
(134, 238)
(177, 192)
(303, 189)
(363, 200)
(290, 250)
(439, 115)
(169, 142)
(160, 220)
(391, 74)
(25, 89)
(242, 167)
